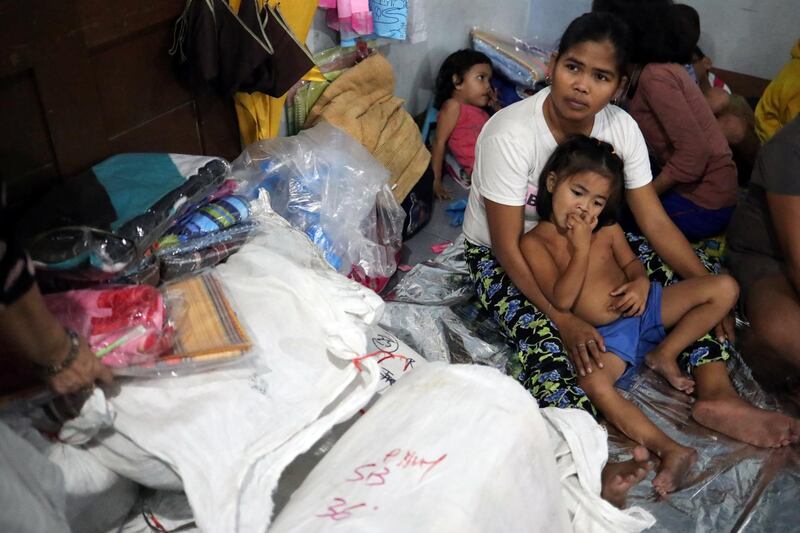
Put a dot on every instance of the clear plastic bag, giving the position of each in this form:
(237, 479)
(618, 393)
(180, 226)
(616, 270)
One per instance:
(138, 330)
(519, 61)
(207, 333)
(205, 237)
(330, 187)
(125, 325)
(89, 253)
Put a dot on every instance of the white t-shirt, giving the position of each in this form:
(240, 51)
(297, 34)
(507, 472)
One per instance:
(514, 146)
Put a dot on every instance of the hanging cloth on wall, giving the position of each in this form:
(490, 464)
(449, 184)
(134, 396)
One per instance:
(249, 50)
(367, 19)
(259, 114)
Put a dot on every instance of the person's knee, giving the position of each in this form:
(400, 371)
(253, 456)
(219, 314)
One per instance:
(726, 289)
(733, 127)
(717, 99)
(721, 289)
(595, 384)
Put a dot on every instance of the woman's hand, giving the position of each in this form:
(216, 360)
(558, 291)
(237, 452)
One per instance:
(631, 297)
(726, 329)
(83, 372)
(583, 342)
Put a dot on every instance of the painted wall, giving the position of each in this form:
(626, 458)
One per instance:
(549, 19)
(748, 36)
(448, 23)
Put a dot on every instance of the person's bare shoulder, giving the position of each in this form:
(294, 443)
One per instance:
(543, 233)
(606, 235)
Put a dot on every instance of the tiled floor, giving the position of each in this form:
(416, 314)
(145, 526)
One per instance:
(418, 248)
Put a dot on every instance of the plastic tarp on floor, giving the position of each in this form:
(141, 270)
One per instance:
(733, 486)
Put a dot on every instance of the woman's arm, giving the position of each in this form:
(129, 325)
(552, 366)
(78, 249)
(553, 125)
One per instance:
(662, 183)
(667, 240)
(785, 213)
(505, 229)
(445, 124)
(690, 146)
(670, 243)
(29, 331)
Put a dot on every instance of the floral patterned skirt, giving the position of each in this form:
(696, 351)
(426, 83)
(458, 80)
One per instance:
(541, 363)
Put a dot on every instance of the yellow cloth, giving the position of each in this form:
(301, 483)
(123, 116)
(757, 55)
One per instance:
(362, 102)
(780, 102)
(259, 115)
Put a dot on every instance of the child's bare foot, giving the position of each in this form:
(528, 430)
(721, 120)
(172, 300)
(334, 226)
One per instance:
(738, 419)
(675, 463)
(619, 478)
(668, 367)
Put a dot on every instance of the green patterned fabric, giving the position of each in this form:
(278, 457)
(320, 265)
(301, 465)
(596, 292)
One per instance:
(540, 363)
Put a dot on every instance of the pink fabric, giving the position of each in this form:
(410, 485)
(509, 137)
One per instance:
(441, 247)
(227, 188)
(106, 316)
(465, 134)
(351, 18)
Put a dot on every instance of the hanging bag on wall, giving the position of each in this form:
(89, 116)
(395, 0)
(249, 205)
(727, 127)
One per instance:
(246, 51)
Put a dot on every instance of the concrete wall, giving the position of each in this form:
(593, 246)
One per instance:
(549, 18)
(749, 36)
(448, 23)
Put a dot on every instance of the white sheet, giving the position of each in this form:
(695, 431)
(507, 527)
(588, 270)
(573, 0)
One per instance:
(580, 446)
(448, 448)
(229, 434)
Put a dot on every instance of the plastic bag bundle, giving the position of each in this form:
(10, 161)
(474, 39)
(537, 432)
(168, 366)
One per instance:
(327, 185)
(205, 237)
(423, 459)
(520, 62)
(98, 227)
(138, 330)
(124, 325)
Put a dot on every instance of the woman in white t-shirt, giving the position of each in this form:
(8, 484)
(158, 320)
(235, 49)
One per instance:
(587, 72)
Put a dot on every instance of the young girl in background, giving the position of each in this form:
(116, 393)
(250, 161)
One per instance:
(583, 264)
(463, 91)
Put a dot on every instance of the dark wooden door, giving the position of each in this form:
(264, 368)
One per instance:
(81, 80)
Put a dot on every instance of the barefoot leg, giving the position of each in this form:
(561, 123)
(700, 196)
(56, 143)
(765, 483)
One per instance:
(619, 478)
(691, 307)
(667, 365)
(720, 408)
(675, 459)
(675, 464)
